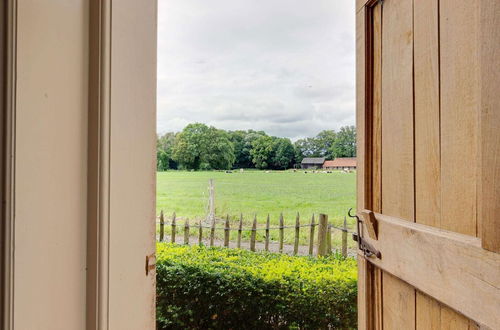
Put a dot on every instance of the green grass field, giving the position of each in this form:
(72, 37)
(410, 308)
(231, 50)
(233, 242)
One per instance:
(258, 193)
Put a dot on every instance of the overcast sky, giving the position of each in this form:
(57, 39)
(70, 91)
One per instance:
(282, 66)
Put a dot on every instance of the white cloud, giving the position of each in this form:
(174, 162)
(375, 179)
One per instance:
(283, 66)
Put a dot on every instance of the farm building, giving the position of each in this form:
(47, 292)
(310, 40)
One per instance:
(312, 163)
(340, 164)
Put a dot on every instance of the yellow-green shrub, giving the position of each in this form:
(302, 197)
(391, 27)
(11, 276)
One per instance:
(207, 288)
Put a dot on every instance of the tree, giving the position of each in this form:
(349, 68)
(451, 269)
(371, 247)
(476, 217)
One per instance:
(345, 143)
(323, 143)
(201, 147)
(219, 150)
(262, 150)
(164, 146)
(283, 153)
(242, 141)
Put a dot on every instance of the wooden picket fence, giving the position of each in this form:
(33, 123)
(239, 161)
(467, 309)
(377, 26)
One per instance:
(323, 239)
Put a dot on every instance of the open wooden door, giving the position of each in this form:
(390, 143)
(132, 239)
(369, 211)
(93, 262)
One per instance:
(428, 118)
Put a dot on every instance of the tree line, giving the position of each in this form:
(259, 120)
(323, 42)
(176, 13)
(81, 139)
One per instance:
(202, 147)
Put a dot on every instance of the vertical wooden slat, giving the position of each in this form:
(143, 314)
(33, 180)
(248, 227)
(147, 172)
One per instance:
(374, 153)
(226, 232)
(297, 235)
(281, 233)
(212, 233)
(186, 231)
(374, 149)
(266, 245)
(200, 232)
(427, 114)
(322, 235)
(344, 238)
(398, 198)
(397, 110)
(489, 175)
(240, 228)
(311, 236)
(427, 138)
(172, 234)
(363, 276)
(428, 313)
(328, 239)
(162, 226)
(459, 124)
(253, 234)
(398, 303)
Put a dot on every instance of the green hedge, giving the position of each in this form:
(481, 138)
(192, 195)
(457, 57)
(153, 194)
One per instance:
(219, 288)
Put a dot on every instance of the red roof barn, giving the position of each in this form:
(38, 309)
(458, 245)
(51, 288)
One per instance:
(340, 164)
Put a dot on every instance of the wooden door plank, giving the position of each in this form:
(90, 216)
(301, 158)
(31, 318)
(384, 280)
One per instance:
(360, 108)
(427, 138)
(427, 116)
(450, 267)
(399, 304)
(397, 146)
(428, 313)
(459, 104)
(397, 110)
(451, 320)
(363, 272)
(376, 114)
(489, 183)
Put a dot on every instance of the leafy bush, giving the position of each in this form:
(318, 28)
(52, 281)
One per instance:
(220, 288)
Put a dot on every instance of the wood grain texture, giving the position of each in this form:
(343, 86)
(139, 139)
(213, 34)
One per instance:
(428, 313)
(489, 182)
(461, 268)
(397, 146)
(360, 108)
(363, 276)
(427, 137)
(399, 304)
(427, 114)
(459, 114)
(376, 115)
(397, 110)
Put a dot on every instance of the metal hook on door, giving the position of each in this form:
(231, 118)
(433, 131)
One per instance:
(363, 245)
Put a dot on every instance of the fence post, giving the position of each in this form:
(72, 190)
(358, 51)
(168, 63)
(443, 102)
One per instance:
(297, 233)
(322, 234)
(212, 233)
(344, 238)
(162, 226)
(200, 233)
(172, 234)
(253, 234)
(186, 231)
(266, 246)
(226, 232)
(329, 239)
(282, 225)
(240, 228)
(211, 200)
(311, 236)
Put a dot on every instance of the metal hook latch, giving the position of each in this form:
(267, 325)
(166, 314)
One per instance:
(363, 245)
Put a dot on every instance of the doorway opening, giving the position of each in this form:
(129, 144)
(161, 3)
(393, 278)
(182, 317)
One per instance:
(256, 161)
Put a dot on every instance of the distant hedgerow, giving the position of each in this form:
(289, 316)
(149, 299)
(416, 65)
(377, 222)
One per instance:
(220, 288)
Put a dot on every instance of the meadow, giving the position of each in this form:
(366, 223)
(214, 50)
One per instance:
(258, 193)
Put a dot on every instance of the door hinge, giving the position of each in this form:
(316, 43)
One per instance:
(363, 245)
(150, 263)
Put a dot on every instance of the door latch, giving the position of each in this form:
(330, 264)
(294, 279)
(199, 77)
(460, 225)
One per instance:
(150, 263)
(363, 245)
